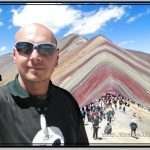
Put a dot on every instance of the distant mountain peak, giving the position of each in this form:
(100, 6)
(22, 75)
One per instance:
(71, 39)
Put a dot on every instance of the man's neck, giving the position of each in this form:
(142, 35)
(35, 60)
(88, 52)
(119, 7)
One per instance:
(34, 88)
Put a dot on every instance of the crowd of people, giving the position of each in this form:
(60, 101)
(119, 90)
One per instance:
(104, 108)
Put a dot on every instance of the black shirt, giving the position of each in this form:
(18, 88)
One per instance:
(20, 117)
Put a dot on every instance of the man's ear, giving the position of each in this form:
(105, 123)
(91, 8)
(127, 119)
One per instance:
(14, 55)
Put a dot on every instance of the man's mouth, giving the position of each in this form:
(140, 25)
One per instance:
(37, 68)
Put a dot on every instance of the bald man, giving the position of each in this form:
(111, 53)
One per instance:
(33, 110)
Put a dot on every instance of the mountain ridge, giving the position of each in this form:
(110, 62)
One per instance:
(89, 68)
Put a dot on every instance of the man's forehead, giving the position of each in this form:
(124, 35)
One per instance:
(35, 33)
(32, 29)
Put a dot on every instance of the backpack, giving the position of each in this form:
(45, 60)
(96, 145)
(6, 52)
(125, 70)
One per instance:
(96, 122)
(83, 113)
(133, 125)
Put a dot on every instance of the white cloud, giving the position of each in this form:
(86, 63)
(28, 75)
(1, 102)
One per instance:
(58, 17)
(134, 18)
(55, 17)
(94, 22)
(10, 27)
(147, 11)
(126, 42)
(1, 23)
(3, 48)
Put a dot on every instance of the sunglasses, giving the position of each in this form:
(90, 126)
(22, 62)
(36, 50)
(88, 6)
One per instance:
(27, 48)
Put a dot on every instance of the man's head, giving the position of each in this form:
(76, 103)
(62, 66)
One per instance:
(35, 53)
(108, 123)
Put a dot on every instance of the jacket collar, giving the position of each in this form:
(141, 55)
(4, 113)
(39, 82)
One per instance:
(22, 97)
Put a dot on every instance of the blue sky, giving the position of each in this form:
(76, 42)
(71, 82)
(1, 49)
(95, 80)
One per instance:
(126, 25)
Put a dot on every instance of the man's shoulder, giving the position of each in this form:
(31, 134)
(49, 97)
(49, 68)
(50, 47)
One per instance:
(4, 93)
(2, 89)
(62, 92)
(5, 88)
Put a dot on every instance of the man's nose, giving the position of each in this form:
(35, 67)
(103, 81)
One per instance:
(35, 55)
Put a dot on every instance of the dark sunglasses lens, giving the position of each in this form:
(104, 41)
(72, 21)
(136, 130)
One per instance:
(24, 47)
(45, 49)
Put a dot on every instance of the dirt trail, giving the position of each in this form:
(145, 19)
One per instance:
(121, 130)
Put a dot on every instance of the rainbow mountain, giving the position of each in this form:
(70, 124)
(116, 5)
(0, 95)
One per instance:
(90, 68)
